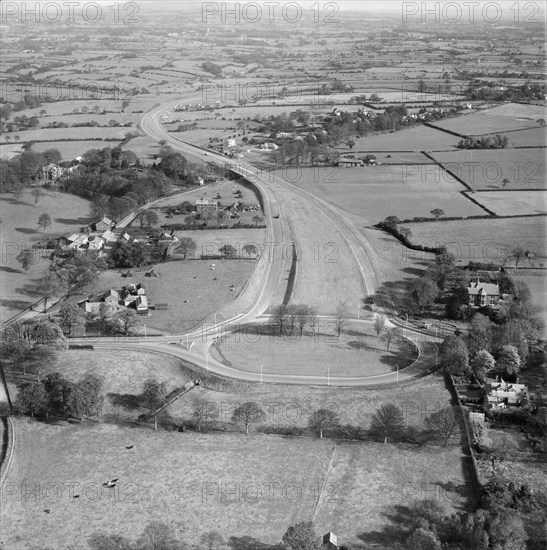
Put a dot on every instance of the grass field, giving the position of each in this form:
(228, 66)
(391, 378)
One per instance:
(357, 353)
(527, 138)
(376, 192)
(511, 116)
(488, 168)
(52, 134)
(196, 483)
(20, 230)
(510, 203)
(487, 240)
(191, 288)
(72, 149)
(420, 138)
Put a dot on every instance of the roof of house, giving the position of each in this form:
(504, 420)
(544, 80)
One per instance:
(491, 289)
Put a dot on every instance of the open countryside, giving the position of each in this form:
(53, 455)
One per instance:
(271, 284)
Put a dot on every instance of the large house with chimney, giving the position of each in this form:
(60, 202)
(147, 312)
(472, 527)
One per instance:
(483, 294)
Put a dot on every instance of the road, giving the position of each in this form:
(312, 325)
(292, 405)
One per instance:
(272, 188)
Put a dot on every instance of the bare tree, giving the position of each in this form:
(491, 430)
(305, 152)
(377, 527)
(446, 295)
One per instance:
(247, 414)
(322, 419)
(379, 324)
(443, 424)
(341, 318)
(389, 335)
(211, 540)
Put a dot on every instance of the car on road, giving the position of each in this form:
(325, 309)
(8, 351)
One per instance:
(206, 154)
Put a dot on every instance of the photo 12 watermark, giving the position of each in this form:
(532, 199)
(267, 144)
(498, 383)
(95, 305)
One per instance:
(270, 12)
(69, 12)
(270, 491)
(470, 12)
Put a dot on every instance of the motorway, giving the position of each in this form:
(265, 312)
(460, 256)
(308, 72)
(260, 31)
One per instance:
(272, 189)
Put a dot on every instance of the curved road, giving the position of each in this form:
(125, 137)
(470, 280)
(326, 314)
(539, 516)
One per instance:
(198, 354)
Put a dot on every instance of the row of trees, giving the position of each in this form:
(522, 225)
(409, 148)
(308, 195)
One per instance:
(387, 424)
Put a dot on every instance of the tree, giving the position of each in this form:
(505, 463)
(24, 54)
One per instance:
(52, 156)
(506, 531)
(379, 324)
(305, 315)
(279, 317)
(257, 219)
(405, 232)
(248, 413)
(482, 363)
(422, 539)
(437, 212)
(37, 193)
(186, 246)
(508, 362)
(129, 254)
(517, 254)
(322, 419)
(201, 412)
(47, 333)
(480, 334)
(51, 285)
(126, 321)
(454, 355)
(14, 346)
(443, 424)
(422, 294)
(153, 393)
(341, 318)
(300, 536)
(91, 388)
(72, 316)
(148, 217)
(26, 259)
(250, 249)
(44, 221)
(387, 422)
(228, 251)
(389, 335)
(157, 536)
(32, 399)
(211, 540)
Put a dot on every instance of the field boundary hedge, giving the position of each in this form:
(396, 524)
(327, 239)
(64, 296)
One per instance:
(475, 477)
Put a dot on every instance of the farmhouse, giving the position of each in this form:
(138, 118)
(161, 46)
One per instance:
(107, 304)
(483, 294)
(51, 172)
(346, 163)
(503, 394)
(205, 204)
(102, 225)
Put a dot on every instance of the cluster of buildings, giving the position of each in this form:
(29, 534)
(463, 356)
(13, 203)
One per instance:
(107, 304)
(94, 237)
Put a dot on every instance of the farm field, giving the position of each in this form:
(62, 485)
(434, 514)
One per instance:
(72, 149)
(376, 192)
(189, 495)
(488, 168)
(510, 203)
(395, 157)
(498, 119)
(190, 287)
(534, 137)
(487, 240)
(20, 230)
(358, 353)
(419, 138)
(537, 283)
(52, 134)
(210, 241)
